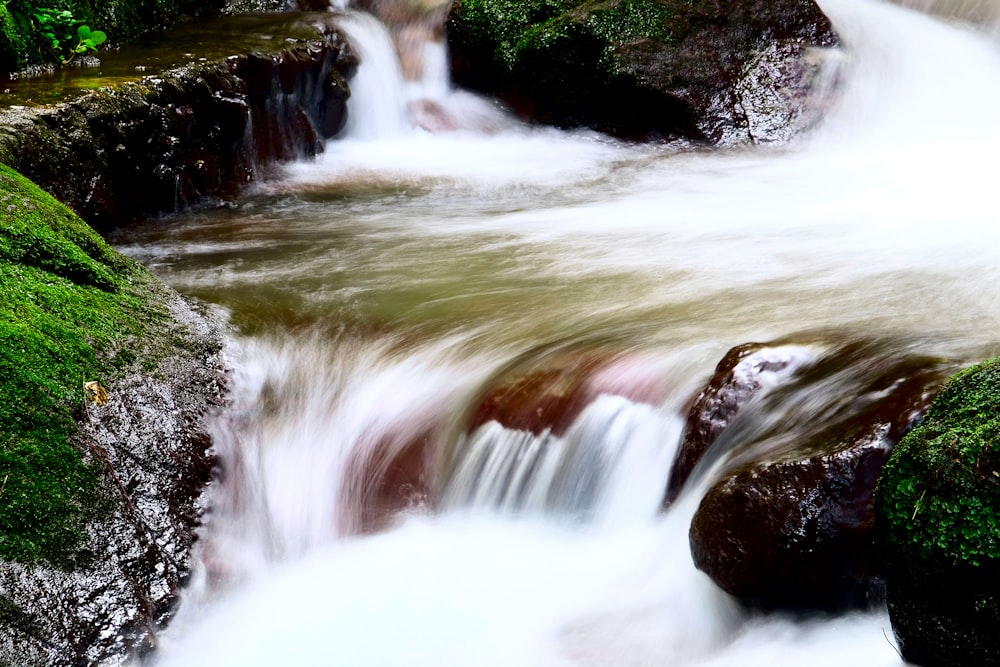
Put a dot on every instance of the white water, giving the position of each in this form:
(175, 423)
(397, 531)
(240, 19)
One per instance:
(380, 285)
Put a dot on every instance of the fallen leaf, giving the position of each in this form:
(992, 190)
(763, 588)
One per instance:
(97, 393)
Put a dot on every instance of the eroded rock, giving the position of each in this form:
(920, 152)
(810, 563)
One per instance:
(167, 141)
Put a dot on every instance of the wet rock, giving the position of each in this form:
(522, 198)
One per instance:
(745, 371)
(546, 392)
(740, 71)
(201, 131)
(938, 526)
(107, 378)
(150, 445)
(395, 478)
(789, 522)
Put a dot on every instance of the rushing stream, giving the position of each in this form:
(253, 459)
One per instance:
(375, 289)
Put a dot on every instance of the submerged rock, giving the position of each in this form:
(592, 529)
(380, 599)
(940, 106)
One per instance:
(728, 72)
(546, 392)
(396, 478)
(938, 526)
(789, 521)
(107, 377)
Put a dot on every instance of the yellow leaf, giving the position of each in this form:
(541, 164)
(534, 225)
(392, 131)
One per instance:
(97, 393)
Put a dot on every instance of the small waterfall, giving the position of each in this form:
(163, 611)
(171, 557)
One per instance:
(377, 107)
(592, 471)
(403, 83)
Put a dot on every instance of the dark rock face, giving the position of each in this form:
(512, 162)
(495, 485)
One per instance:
(150, 444)
(717, 72)
(167, 141)
(789, 522)
(937, 510)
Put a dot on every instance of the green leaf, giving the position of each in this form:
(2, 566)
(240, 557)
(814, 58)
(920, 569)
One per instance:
(84, 32)
(98, 37)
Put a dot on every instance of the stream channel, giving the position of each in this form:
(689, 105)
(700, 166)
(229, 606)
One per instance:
(373, 290)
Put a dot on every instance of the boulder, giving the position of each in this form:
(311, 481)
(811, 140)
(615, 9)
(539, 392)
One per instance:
(107, 377)
(788, 522)
(937, 507)
(165, 141)
(721, 72)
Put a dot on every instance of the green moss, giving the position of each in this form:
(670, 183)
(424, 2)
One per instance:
(631, 20)
(68, 305)
(939, 494)
(516, 28)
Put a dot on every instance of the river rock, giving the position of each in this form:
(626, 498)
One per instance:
(547, 391)
(722, 72)
(204, 130)
(742, 374)
(394, 478)
(788, 523)
(937, 509)
(107, 379)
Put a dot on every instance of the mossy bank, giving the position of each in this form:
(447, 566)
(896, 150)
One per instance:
(106, 377)
(938, 522)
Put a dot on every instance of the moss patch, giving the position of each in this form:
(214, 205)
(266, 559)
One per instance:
(68, 307)
(937, 509)
(940, 491)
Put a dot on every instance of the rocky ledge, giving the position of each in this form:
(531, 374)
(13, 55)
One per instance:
(725, 72)
(160, 142)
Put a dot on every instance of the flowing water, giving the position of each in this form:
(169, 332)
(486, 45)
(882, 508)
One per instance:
(375, 290)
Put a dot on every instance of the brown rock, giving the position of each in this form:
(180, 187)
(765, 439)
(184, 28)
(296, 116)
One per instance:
(789, 523)
(740, 376)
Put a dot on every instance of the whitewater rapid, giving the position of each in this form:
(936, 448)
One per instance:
(375, 288)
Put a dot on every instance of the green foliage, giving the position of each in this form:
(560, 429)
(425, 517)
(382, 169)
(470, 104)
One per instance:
(517, 27)
(939, 494)
(65, 36)
(68, 303)
(39, 31)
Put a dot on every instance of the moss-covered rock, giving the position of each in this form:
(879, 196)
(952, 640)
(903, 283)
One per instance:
(642, 67)
(97, 498)
(938, 525)
(64, 296)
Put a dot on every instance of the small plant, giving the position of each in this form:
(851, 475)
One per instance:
(56, 26)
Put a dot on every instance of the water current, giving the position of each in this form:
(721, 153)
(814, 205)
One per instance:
(373, 290)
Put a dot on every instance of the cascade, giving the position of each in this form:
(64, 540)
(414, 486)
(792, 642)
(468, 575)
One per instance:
(378, 291)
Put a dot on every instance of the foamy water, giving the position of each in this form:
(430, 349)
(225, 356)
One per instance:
(378, 286)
